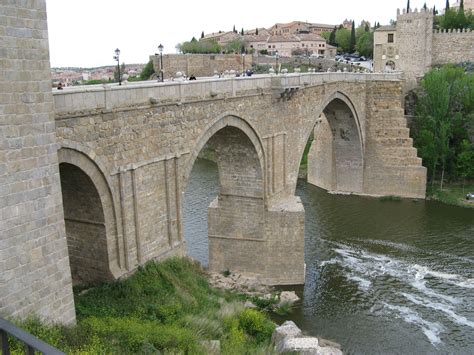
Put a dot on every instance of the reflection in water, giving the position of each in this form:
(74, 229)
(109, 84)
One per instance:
(381, 276)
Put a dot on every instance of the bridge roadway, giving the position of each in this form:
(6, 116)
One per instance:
(126, 153)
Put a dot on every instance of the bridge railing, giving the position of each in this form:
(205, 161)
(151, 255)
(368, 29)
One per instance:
(109, 97)
(32, 344)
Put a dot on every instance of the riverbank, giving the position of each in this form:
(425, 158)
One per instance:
(165, 307)
(452, 194)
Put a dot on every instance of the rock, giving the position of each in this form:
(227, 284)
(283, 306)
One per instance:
(288, 297)
(249, 304)
(286, 330)
(288, 338)
(328, 343)
(307, 345)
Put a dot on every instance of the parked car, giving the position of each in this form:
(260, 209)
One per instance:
(470, 196)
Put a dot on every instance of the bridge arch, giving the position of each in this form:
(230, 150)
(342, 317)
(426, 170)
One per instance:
(228, 119)
(236, 215)
(90, 220)
(336, 157)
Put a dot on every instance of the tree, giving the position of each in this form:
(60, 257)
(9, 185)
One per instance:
(147, 71)
(408, 6)
(447, 5)
(234, 30)
(352, 41)
(465, 161)
(424, 6)
(367, 27)
(444, 112)
(242, 32)
(256, 31)
(202, 34)
(343, 38)
(365, 44)
(332, 37)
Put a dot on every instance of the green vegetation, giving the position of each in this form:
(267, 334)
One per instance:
(453, 18)
(452, 194)
(444, 123)
(165, 307)
(147, 71)
(199, 47)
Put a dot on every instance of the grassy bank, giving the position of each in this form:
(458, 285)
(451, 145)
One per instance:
(165, 307)
(452, 194)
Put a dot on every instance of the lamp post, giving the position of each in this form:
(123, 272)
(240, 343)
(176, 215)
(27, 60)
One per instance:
(160, 49)
(243, 63)
(117, 58)
(277, 55)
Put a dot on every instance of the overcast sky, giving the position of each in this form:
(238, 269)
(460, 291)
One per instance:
(86, 32)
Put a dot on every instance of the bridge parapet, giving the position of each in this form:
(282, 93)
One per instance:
(107, 98)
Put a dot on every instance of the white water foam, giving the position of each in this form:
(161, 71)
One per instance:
(446, 309)
(364, 268)
(432, 330)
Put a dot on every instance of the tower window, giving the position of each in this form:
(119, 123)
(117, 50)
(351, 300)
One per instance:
(390, 38)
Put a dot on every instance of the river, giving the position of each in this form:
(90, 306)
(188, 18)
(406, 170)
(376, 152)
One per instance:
(381, 276)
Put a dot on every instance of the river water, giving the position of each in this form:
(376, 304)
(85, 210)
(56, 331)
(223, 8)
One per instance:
(391, 277)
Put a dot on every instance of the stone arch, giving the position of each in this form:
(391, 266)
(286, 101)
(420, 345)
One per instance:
(90, 219)
(336, 157)
(236, 216)
(390, 66)
(228, 119)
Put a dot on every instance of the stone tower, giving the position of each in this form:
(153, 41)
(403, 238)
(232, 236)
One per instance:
(414, 42)
(35, 277)
(414, 39)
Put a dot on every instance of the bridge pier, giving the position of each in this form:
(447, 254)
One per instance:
(274, 252)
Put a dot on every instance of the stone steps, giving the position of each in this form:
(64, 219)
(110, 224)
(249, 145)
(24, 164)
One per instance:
(402, 161)
(395, 142)
(402, 132)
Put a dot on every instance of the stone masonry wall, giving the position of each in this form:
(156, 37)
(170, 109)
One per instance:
(34, 264)
(453, 47)
(200, 64)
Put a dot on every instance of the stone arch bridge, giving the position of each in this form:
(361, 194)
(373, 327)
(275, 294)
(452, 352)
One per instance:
(126, 153)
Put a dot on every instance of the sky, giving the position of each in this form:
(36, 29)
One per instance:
(85, 33)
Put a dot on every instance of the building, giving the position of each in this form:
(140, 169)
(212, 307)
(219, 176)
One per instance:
(412, 46)
(222, 38)
(468, 5)
(297, 27)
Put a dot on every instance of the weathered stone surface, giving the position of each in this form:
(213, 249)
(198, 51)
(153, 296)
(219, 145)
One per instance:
(288, 338)
(288, 297)
(35, 277)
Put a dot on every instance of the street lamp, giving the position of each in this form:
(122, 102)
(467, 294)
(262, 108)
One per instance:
(243, 63)
(117, 58)
(277, 55)
(160, 49)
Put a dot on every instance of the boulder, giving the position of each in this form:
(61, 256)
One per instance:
(288, 297)
(288, 338)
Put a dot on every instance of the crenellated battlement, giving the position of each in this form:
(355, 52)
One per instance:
(414, 11)
(453, 31)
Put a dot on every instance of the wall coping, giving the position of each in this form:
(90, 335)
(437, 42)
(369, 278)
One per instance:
(109, 97)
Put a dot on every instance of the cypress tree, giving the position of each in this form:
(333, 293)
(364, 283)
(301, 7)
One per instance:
(202, 34)
(233, 30)
(256, 31)
(408, 6)
(461, 6)
(242, 32)
(434, 10)
(352, 43)
(367, 28)
(424, 6)
(447, 5)
(332, 37)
